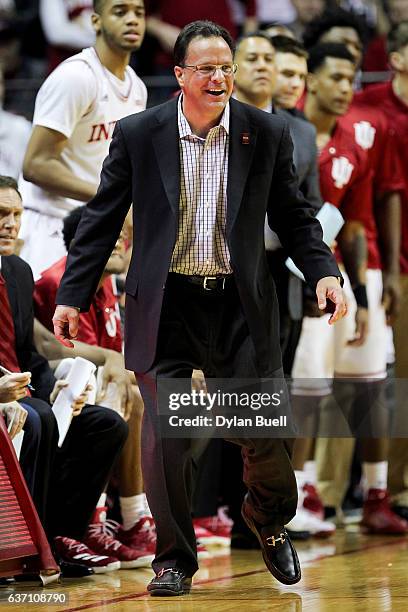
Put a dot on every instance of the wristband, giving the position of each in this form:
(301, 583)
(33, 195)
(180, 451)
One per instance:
(360, 293)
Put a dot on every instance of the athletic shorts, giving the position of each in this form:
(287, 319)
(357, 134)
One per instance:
(322, 352)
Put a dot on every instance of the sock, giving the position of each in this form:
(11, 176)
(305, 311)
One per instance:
(300, 481)
(375, 475)
(102, 501)
(99, 515)
(146, 506)
(310, 471)
(132, 509)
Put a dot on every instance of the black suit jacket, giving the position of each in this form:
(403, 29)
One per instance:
(303, 136)
(20, 285)
(305, 156)
(143, 166)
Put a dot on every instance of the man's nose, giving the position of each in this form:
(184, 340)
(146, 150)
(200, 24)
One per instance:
(218, 74)
(10, 221)
(132, 18)
(296, 81)
(262, 64)
(345, 86)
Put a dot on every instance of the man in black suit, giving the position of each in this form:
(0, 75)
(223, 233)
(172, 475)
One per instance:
(202, 172)
(256, 83)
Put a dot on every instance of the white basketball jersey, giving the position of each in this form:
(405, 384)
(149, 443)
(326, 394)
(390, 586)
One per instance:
(82, 100)
(14, 135)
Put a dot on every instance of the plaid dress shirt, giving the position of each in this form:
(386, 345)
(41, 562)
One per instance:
(201, 245)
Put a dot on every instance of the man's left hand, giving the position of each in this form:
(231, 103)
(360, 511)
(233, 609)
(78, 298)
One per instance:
(330, 295)
(78, 403)
(14, 413)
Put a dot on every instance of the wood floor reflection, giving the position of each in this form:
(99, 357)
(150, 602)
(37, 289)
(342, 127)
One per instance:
(349, 572)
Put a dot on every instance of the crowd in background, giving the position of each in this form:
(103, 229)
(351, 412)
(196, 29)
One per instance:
(35, 35)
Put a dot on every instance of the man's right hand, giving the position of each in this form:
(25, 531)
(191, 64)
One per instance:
(66, 323)
(14, 386)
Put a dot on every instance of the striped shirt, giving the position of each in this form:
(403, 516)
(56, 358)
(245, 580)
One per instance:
(201, 245)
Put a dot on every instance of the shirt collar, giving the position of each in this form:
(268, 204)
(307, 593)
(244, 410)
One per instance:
(184, 126)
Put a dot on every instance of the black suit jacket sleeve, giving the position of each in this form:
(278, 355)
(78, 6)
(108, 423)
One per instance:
(310, 186)
(99, 228)
(300, 234)
(20, 286)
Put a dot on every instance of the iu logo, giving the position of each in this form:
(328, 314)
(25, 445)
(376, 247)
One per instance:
(364, 134)
(342, 170)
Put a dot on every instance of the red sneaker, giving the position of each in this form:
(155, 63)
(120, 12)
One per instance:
(99, 537)
(378, 516)
(73, 551)
(211, 531)
(141, 536)
(312, 501)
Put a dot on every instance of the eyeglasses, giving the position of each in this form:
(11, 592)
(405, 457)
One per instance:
(210, 69)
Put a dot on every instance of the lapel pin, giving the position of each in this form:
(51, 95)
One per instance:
(245, 138)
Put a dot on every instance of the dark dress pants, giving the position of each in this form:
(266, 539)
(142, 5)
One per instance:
(82, 468)
(204, 330)
(45, 456)
(289, 290)
(30, 447)
(69, 480)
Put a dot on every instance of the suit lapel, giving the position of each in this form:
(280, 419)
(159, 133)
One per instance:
(166, 146)
(241, 151)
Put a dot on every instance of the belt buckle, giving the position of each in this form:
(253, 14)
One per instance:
(208, 278)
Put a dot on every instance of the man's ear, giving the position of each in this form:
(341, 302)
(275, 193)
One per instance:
(179, 74)
(396, 61)
(96, 23)
(311, 83)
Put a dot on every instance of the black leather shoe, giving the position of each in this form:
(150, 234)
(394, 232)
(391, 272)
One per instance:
(278, 551)
(74, 570)
(170, 581)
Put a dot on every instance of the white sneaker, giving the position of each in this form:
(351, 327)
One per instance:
(307, 522)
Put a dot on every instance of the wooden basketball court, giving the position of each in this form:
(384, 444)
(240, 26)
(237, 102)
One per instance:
(349, 572)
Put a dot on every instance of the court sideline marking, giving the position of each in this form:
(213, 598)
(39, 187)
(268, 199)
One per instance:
(131, 596)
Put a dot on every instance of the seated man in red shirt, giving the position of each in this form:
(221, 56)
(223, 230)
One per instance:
(100, 335)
